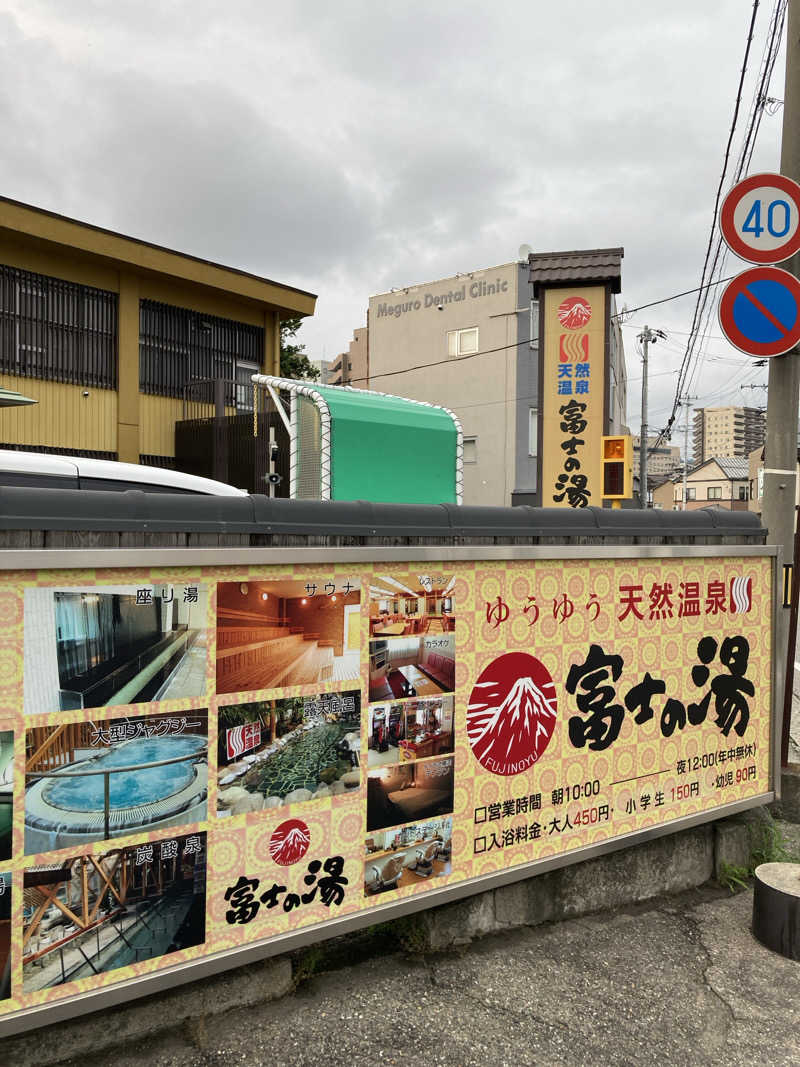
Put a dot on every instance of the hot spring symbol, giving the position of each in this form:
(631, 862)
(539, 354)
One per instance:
(511, 713)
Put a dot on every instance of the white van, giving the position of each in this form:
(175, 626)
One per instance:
(43, 471)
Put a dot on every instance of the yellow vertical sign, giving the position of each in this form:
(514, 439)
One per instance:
(573, 391)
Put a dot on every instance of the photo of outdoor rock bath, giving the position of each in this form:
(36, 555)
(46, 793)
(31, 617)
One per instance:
(90, 914)
(276, 634)
(419, 605)
(411, 667)
(412, 729)
(407, 856)
(277, 752)
(409, 792)
(91, 781)
(112, 645)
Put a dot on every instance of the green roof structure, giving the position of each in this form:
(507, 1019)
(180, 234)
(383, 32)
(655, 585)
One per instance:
(355, 444)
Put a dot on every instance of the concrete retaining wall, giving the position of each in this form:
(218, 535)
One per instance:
(667, 864)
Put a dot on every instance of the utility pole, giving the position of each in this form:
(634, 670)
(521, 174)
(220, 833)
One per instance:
(686, 402)
(780, 454)
(646, 337)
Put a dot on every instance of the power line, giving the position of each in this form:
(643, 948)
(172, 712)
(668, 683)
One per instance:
(705, 275)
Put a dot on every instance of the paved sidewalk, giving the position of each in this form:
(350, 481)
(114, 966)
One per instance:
(679, 980)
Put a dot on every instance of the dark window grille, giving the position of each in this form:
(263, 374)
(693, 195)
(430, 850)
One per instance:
(177, 346)
(57, 330)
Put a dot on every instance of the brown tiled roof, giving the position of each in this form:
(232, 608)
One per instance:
(587, 265)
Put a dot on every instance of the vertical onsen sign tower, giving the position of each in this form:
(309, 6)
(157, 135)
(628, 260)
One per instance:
(581, 370)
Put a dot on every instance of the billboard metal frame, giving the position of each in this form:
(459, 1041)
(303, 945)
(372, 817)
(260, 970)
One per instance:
(169, 977)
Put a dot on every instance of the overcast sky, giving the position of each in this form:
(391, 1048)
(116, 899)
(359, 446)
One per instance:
(349, 147)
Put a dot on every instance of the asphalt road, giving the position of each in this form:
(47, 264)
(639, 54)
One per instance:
(679, 980)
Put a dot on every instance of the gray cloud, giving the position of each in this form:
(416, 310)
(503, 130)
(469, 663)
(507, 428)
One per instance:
(348, 148)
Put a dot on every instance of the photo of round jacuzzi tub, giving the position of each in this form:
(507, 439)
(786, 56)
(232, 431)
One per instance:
(278, 752)
(94, 781)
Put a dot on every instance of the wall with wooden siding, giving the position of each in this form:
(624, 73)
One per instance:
(158, 415)
(63, 417)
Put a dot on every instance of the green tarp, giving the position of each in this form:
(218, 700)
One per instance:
(389, 449)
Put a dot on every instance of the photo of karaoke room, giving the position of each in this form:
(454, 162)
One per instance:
(407, 856)
(413, 729)
(411, 667)
(409, 792)
(111, 645)
(276, 634)
(87, 915)
(421, 605)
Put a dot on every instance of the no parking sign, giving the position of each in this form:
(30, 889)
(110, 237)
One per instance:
(760, 311)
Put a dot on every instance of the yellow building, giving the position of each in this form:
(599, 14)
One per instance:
(106, 332)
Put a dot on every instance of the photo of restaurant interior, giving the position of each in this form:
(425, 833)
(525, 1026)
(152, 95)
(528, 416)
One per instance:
(402, 667)
(276, 634)
(413, 729)
(399, 608)
(277, 752)
(94, 780)
(90, 914)
(111, 645)
(409, 792)
(407, 856)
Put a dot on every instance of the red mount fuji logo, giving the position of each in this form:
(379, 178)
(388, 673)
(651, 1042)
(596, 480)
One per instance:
(289, 842)
(574, 312)
(511, 713)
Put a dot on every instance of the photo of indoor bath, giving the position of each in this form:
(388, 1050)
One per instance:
(411, 667)
(105, 646)
(276, 634)
(412, 730)
(396, 859)
(417, 606)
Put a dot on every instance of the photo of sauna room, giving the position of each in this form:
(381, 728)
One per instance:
(91, 914)
(412, 606)
(276, 634)
(411, 667)
(409, 792)
(396, 859)
(112, 645)
(91, 781)
(412, 730)
(277, 752)
(6, 792)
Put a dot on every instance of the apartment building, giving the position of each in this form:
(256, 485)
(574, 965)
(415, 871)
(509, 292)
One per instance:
(727, 431)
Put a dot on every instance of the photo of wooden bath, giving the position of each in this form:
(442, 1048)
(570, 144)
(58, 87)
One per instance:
(277, 752)
(91, 781)
(86, 915)
(106, 646)
(271, 635)
(407, 855)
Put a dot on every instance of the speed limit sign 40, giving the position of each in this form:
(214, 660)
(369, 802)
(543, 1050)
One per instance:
(760, 218)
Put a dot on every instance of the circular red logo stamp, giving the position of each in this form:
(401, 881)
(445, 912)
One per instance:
(574, 312)
(289, 842)
(511, 713)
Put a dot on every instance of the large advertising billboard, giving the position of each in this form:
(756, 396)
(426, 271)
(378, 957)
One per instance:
(198, 761)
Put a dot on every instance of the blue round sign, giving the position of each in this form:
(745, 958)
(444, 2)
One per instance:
(760, 311)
